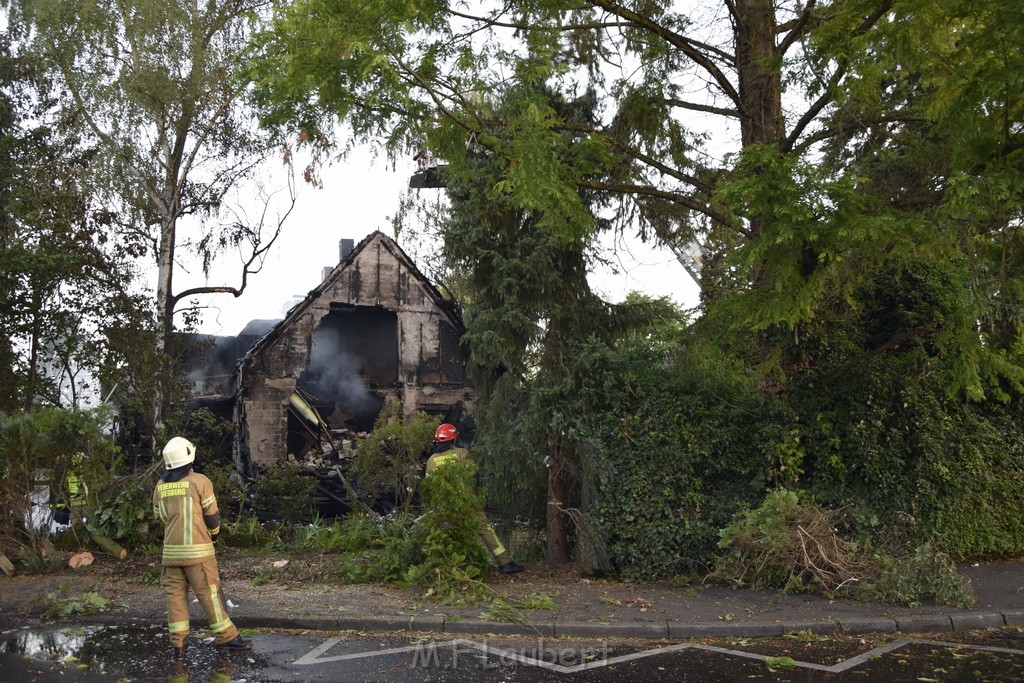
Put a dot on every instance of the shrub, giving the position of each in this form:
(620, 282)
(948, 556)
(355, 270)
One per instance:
(125, 512)
(36, 446)
(889, 441)
(670, 444)
(211, 435)
(454, 559)
(387, 461)
(283, 490)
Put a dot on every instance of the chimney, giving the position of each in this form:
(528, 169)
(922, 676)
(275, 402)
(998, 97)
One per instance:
(327, 271)
(345, 247)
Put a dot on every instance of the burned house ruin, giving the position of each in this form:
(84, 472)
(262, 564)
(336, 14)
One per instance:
(374, 330)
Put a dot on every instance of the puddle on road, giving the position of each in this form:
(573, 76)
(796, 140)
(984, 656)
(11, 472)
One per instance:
(142, 653)
(83, 653)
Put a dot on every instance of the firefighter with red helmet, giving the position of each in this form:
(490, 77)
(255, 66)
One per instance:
(184, 501)
(445, 452)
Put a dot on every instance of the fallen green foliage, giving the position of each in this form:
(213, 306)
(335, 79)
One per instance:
(63, 604)
(925, 575)
(454, 560)
(511, 611)
(387, 461)
(792, 545)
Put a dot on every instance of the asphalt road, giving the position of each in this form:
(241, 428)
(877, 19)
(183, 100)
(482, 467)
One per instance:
(113, 653)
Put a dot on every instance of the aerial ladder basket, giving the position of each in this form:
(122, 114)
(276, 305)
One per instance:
(429, 177)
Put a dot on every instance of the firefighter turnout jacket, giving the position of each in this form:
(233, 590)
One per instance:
(188, 510)
(453, 454)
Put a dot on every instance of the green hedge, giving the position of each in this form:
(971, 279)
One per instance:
(894, 444)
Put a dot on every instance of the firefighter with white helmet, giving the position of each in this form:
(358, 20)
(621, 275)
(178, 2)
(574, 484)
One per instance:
(185, 503)
(446, 452)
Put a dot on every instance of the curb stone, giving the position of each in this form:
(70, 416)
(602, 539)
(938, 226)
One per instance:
(291, 622)
(968, 622)
(858, 625)
(428, 623)
(579, 629)
(751, 630)
(374, 623)
(933, 622)
(499, 628)
(818, 628)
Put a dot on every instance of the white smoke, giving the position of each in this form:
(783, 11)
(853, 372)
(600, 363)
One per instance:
(334, 374)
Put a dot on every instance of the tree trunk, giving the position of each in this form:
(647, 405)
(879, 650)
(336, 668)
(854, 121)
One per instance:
(165, 274)
(109, 546)
(164, 310)
(33, 358)
(760, 73)
(760, 86)
(558, 533)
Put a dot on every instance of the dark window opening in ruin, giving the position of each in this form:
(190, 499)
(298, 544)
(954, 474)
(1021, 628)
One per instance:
(453, 355)
(302, 437)
(355, 348)
(449, 366)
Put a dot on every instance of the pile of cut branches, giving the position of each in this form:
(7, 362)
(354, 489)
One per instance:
(797, 547)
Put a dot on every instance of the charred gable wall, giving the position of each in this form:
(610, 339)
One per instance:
(375, 328)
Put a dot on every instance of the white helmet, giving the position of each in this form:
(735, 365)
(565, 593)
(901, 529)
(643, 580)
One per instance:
(178, 452)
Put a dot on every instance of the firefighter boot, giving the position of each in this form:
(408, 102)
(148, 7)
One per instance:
(178, 653)
(239, 643)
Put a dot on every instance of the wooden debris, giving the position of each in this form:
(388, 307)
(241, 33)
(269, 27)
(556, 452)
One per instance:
(82, 559)
(109, 546)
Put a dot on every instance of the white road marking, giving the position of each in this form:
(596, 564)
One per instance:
(315, 656)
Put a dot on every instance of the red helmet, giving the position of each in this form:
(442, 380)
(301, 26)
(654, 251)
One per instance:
(446, 432)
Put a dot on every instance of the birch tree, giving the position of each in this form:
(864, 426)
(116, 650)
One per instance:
(156, 85)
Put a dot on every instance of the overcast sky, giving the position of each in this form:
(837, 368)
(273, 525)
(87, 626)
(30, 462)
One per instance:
(358, 197)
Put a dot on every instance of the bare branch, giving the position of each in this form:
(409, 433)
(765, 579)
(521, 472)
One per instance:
(797, 30)
(653, 192)
(671, 101)
(829, 94)
(588, 26)
(684, 44)
(858, 124)
(254, 263)
(731, 6)
(826, 97)
(200, 140)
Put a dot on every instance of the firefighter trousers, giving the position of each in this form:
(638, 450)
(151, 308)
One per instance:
(490, 540)
(203, 579)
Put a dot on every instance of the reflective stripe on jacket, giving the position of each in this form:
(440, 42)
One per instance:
(77, 490)
(445, 457)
